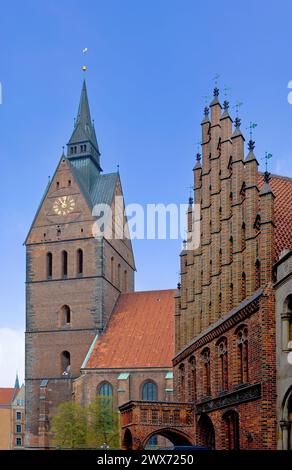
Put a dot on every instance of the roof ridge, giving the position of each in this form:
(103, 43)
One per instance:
(274, 175)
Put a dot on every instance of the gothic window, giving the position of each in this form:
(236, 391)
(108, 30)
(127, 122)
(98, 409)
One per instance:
(105, 390)
(149, 391)
(231, 430)
(64, 263)
(49, 265)
(69, 182)
(242, 354)
(223, 364)
(57, 185)
(257, 274)
(71, 150)
(85, 147)
(205, 355)
(181, 378)
(192, 378)
(125, 280)
(80, 262)
(65, 363)
(286, 317)
(65, 315)
(243, 286)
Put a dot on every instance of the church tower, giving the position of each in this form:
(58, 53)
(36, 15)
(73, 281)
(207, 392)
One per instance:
(73, 276)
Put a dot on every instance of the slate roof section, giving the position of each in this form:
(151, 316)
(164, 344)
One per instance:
(97, 188)
(281, 186)
(140, 333)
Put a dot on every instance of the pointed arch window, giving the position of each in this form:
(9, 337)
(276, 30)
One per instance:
(192, 378)
(49, 265)
(286, 318)
(205, 356)
(242, 354)
(79, 262)
(181, 378)
(223, 364)
(64, 263)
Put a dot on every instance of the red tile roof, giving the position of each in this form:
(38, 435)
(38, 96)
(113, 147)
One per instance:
(282, 189)
(140, 333)
(6, 395)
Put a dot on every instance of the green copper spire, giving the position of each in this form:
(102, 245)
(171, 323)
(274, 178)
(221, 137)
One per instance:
(16, 381)
(83, 142)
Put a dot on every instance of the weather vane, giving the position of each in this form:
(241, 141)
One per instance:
(237, 106)
(267, 157)
(215, 78)
(252, 125)
(225, 90)
(84, 51)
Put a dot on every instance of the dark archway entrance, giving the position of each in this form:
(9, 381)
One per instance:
(206, 432)
(173, 437)
(128, 440)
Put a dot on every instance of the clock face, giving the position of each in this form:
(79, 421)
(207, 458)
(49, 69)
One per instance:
(64, 205)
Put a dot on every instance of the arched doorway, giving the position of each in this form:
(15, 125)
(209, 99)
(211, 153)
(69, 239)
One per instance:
(286, 423)
(168, 438)
(128, 440)
(206, 432)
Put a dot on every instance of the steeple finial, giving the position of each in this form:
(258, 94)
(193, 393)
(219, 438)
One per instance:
(251, 145)
(237, 122)
(225, 105)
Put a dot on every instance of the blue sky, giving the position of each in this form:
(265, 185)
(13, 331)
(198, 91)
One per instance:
(149, 65)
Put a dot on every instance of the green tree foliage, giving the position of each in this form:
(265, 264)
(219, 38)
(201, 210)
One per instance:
(69, 426)
(103, 423)
(75, 427)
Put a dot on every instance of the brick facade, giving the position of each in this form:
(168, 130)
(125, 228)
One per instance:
(225, 328)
